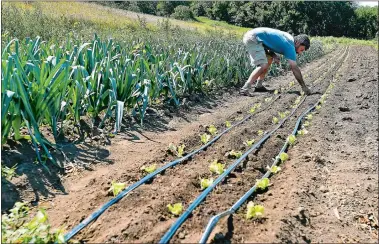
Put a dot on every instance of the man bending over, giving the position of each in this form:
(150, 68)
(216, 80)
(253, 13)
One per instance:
(262, 45)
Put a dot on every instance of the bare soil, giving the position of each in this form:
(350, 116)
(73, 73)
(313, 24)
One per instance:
(326, 192)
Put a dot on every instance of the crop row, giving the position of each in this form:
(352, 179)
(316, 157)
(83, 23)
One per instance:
(47, 84)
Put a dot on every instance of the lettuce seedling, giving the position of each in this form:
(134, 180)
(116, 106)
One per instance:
(172, 148)
(177, 150)
(260, 132)
(306, 124)
(176, 209)
(249, 143)
(116, 188)
(263, 183)
(276, 92)
(212, 129)
(204, 183)
(302, 132)
(236, 154)
(149, 169)
(205, 138)
(228, 124)
(291, 139)
(297, 101)
(252, 110)
(180, 150)
(292, 83)
(309, 117)
(282, 115)
(254, 211)
(268, 99)
(274, 169)
(216, 167)
(257, 105)
(283, 157)
(318, 107)
(275, 120)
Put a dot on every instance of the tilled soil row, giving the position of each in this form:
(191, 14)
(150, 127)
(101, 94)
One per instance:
(327, 190)
(178, 184)
(244, 178)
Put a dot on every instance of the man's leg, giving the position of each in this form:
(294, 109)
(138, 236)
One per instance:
(258, 71)
(258, 58)
(261, 78)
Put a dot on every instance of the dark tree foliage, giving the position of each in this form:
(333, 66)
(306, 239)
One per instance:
(316, 18)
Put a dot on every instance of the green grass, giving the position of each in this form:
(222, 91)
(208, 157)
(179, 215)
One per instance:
(330, 40)
(206, 22)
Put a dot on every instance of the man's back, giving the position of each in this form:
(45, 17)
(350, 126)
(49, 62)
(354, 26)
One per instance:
(276, 40)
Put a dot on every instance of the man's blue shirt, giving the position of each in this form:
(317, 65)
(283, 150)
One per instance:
(278, 41)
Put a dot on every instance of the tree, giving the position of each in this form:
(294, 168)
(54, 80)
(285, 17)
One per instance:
(183, 13)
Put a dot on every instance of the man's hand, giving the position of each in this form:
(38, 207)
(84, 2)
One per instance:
(306, 90)
(297, 73)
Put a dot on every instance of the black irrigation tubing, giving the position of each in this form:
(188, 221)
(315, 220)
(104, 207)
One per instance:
(169, 234)
(145, 179)
(122, 194)
(216, 218)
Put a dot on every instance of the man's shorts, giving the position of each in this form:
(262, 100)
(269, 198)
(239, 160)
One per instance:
(255, 49)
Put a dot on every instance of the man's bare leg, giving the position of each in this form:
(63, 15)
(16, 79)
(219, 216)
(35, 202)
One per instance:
(261, 78)
(254, 76)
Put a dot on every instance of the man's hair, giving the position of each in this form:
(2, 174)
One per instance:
(303, 39)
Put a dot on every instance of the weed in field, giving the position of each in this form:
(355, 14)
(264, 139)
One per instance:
(17, 228)
(7, 172)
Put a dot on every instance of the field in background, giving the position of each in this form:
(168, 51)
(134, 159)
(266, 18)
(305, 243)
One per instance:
(105, 20)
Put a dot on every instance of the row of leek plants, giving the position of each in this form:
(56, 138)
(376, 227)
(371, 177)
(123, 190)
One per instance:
(46, 84)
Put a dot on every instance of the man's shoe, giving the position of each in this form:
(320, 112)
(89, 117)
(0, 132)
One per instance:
(260, 89)
(245, 92)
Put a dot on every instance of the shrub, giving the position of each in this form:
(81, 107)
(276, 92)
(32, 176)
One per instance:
(183, 13)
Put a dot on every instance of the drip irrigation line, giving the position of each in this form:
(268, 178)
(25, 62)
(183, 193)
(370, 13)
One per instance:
(148, 177)
(168, 235)
(216, 218)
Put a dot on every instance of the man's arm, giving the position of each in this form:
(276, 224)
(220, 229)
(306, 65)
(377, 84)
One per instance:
(299, 77)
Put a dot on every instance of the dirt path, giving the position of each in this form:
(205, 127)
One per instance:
(332, 167)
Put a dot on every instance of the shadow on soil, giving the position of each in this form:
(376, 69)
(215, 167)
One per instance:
(32, 181)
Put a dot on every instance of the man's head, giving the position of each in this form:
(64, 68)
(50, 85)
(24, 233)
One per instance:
(302, 43)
